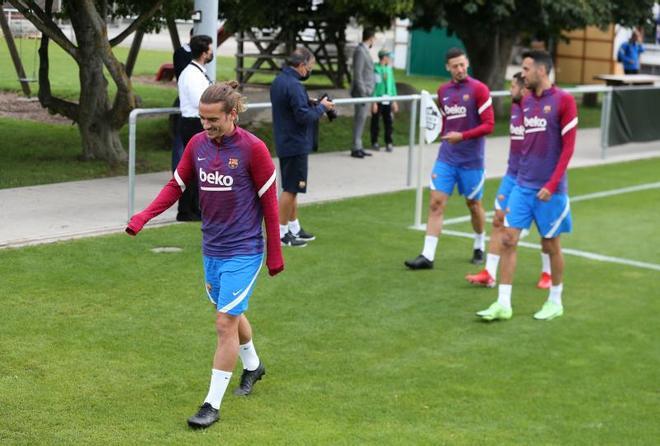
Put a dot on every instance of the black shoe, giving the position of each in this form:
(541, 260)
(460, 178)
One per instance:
(205, 416)
(419, 262)
(365, 153)
(477, 257)
(357, 154)
(248, 379)
(291, 240)
(305, 236)
(375, 147)
(389, 148)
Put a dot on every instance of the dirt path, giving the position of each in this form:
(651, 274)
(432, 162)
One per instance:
(16, 106)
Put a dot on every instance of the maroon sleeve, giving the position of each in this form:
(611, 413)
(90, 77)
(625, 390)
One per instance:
(486, 115)
(263, 175)
(168, 195)
(568, 122)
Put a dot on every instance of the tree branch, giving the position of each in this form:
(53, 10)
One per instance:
(46, 99)
(38, 18)
(142, 18)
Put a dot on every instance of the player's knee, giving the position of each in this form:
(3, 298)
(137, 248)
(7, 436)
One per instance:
(509, 240)
(437, 206)
(474, 205)
(498, 220)
(550, 245)
(225, 323)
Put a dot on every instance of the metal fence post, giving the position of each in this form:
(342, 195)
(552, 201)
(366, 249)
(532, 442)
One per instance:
(411, 139)
(420, 166)
(605, 112)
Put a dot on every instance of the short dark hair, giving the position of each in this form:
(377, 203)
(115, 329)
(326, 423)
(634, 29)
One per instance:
(299, 56)
(454, 52)
(540, 57)
(199, 44)
(518, 79)
(368, 33)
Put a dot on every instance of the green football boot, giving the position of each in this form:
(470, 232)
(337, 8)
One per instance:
(549, 311)
(496, 311)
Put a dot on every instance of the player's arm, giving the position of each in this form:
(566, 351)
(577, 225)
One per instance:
(263, 173)
(168, 195)
(441, 108)
(303, 112)
(486, 115)
(568, 122)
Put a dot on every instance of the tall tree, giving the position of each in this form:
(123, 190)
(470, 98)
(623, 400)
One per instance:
(489, 28)
(99, 119)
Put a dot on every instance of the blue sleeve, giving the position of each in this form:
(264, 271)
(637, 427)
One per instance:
(303, 113)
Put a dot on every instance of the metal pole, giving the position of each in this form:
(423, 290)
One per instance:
(411, 139)
(208, 24)
(132, 124)
(420, 166)
(605, 113)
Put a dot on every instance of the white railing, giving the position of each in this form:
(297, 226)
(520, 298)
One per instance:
(414, 99)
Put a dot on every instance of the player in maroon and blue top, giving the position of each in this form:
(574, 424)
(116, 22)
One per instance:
(467, 115)
(541, 190)
(237, 191)
(488, 276)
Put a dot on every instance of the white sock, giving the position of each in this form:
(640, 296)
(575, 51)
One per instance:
(504, 295)
(283, 230)
(430, 243)
(492, 260)
(249, 356)
(555, 293)
(294, 226)
(480, 241)
(545, 261)
(219, 382)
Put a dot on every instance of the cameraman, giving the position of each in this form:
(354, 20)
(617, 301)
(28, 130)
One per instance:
(294, 118)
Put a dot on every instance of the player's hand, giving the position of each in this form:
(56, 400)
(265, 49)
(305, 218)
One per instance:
(395, 107)
(135, 225)
(544, 194)
(374, 108)
(452, 137)
(275, 269)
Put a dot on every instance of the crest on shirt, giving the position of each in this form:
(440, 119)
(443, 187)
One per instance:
(466, 97)
(547, 108)
(233, 163)
(301, 184)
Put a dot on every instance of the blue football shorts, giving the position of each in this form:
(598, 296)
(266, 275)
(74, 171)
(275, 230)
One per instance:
(552, 217)
(230, 281)
(502, 197)
(470, 182)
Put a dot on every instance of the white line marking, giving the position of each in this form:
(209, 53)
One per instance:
(602, 194)
(574, 252)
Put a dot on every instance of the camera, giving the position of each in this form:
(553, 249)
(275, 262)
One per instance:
(331, 114)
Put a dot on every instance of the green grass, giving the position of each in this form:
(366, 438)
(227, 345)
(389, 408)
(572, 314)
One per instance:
(55, 149)
(104, 342)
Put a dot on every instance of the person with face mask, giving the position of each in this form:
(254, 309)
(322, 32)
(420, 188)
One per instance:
(362, 85)
(294, 119)
(191, 84)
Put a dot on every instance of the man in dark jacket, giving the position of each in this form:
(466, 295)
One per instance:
(294, 117)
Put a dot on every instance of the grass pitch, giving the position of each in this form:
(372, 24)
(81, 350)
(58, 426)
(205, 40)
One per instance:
(104, 342)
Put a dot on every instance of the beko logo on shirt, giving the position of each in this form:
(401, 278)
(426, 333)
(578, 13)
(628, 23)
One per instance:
(216, 178)
(516, 131)
(455, 111)
(535, 124)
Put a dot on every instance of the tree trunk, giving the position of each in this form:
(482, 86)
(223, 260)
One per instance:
(489, 59)
(100, 139)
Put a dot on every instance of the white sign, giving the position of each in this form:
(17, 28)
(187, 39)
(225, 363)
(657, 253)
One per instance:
(430, 119)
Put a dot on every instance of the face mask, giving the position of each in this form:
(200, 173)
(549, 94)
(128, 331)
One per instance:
(210, 58)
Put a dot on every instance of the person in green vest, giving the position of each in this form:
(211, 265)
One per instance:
(385, 87)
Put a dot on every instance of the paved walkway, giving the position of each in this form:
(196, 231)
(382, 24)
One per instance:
(42, 214)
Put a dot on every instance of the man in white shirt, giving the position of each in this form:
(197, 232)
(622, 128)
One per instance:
(191, 84)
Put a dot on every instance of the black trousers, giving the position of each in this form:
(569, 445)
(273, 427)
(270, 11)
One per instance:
(384, 110)
(189, 201)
